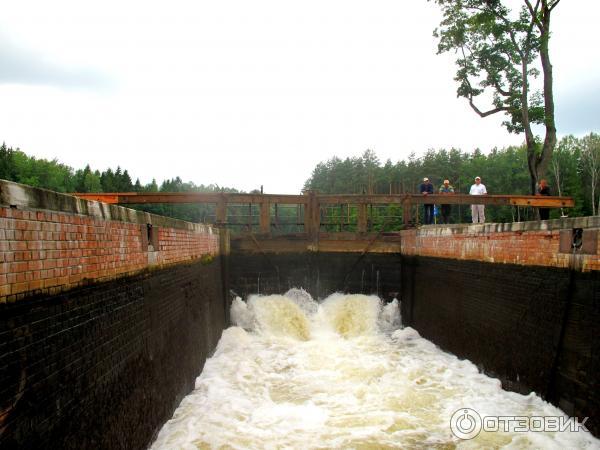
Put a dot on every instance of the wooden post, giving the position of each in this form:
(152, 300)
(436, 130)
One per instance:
(308, 215)
(221, 211)
(312, 217)
(249, 224)
(406, 211)
(265, 217)
(316, 217)
(362, 218)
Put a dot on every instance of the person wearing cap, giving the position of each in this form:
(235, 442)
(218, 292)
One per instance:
(446, 189)
(426, 188)
(478, 211)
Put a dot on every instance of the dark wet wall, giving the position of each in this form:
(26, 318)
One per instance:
(105, 366)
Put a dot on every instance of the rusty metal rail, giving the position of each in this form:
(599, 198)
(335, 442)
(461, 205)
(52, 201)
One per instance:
(312, 203)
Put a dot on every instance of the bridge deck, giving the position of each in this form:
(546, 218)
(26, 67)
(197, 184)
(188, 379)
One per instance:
(310, 205)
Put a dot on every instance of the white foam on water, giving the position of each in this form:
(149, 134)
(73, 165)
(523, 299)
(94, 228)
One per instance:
(278, 315)
(303, 299)
(297, 374)
(389, 318)
(352, 315)
(240, 315)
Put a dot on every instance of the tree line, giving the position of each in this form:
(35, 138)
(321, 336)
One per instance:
(574, 171)
(15, 165)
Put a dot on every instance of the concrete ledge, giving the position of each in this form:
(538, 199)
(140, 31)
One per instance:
(22, 196)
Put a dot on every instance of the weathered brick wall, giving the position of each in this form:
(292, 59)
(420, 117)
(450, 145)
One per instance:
(522, 243)
(106, 318)
(320, 274)
(536, 328)
(45, 251)
(105, 365)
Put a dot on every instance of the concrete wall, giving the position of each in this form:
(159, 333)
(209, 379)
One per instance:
(104, 326)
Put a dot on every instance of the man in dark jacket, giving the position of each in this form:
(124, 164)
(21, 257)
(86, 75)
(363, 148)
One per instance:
(544, 189)
(426, 188)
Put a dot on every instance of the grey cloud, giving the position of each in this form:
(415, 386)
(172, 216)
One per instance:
(20, 65)
(578, 110)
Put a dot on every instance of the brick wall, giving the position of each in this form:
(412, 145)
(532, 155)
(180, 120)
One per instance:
(522, 243)
(535, 328)
(319, 273)
(105, 365)
(45, 251)
(106, 318)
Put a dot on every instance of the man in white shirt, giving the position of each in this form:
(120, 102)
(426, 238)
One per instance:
(478, 211)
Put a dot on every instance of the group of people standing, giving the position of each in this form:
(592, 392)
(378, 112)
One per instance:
(426, 188)
(477, 211)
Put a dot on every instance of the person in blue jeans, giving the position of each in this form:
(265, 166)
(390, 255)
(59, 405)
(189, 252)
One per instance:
(426, 188)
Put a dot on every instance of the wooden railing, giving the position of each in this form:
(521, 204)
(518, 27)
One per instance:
(312, 203)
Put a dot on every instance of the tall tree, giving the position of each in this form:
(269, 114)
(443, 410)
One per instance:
(497, 49)
(590, 160)
(7, 165)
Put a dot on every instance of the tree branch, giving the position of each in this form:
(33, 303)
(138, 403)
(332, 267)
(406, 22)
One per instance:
(501, 91)
(534, 12)
(487, 113)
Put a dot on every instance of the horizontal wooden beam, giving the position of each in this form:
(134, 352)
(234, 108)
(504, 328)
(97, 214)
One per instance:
(125, 198)
(327, 242)
(322, 200)
(515, 200)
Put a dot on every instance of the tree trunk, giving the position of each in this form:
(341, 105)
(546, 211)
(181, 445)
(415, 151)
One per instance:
(550, 140)
(538, 162)
(593, 197)
(557, 178)
(529, 138)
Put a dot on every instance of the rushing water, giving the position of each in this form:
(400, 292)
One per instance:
(342, 374)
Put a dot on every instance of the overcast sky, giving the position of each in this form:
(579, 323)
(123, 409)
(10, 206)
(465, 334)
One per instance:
(244, 93)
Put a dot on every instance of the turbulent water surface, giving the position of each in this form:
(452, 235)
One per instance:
(295, 373)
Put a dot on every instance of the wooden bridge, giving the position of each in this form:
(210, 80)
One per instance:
(353, 230)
